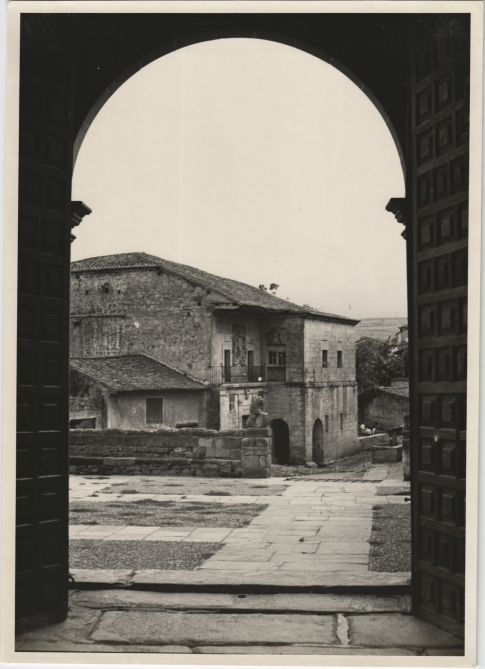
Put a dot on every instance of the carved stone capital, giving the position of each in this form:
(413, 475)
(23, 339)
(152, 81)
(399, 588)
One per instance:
(399, 207)
(78, 211)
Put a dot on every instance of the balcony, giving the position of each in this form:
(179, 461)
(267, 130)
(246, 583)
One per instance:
(220, 374)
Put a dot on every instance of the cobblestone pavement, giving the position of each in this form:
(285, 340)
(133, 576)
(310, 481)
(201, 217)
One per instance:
(317, 526)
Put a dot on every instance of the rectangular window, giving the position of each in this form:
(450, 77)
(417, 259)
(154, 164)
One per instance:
(154, 411)
(232, 402)
(326, 423)
(324, 358)
(341, 421)
(339, 358)
(277, 358)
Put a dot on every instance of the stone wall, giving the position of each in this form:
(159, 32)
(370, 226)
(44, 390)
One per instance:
(143, 311)
(185, 452)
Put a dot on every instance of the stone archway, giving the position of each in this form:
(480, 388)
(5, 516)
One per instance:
(68, 63)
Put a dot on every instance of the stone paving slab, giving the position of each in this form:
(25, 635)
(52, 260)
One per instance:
(181, 628)
(390, 630)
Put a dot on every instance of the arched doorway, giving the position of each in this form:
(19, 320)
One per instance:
(317, 442)
(281, 442)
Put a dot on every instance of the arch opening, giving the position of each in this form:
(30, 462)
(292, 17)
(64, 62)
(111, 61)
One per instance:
(317, 442)
(280, 441)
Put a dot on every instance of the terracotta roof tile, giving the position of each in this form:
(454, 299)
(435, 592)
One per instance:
(127, 373)
(235, 292)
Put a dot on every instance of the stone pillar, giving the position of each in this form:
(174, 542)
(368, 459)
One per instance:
(256, 453)
(406, 463)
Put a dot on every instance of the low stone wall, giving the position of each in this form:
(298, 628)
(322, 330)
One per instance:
(373, 441)
(183, 452)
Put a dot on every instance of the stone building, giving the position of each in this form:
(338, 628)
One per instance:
(386, 406)
(235, 339)
(132, 392)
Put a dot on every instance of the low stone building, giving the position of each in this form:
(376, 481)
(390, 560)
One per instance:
(132, 392)
(235, 339)
(385, 406)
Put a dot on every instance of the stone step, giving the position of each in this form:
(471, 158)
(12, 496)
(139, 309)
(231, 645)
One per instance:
(244, 582)
(276, 603)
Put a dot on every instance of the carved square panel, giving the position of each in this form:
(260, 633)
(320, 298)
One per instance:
(426, 232)
(444, 357)
(427, 589)
(460, 267)
(444, 552)
(461, 363)
(427, 498)
(448, 506)
(441, 183)
(427, 544)
(442, 273)
(448, 457)
(462, 315)
(425, 276)
(426, 364)
(53, 236)
(446, 222)
(425, 147)
(27, 367)
(444, 92)
(425, 189)
(29, 225)
(53, 280)
(427, 454)
(51, 410)
(444, 136)
(426, 321)
(463, 219)
(424, 105)
(51, 325)
(55, 150)
(459, 174)
(462, 124)
(30, 189)
(448, 411)
(446, 317)
(427, 409)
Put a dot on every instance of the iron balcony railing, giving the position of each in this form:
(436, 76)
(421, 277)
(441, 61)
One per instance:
(220, 374)
(246, 374)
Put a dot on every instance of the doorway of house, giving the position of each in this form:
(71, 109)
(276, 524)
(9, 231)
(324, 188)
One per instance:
(281, 442)
(317, 442)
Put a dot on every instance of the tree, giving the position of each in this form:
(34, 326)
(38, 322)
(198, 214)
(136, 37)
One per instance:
(378, 362)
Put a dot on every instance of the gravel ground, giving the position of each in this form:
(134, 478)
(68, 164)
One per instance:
(150, 512)
(391, 538)
(194, 486)
(91, 554)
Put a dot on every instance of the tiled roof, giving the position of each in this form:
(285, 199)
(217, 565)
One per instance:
(126, 373)
(233, 291)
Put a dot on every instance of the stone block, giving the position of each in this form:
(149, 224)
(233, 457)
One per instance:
(387, 454)
(155, 627)
(394, 630)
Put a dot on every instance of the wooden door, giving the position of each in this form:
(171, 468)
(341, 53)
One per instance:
(43, 338)
(438, 318)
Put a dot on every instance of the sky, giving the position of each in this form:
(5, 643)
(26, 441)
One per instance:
(251, 160)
